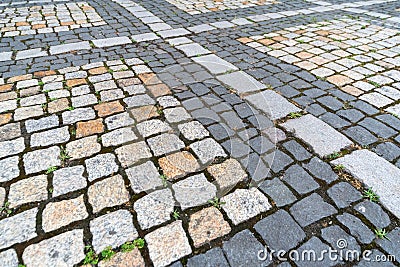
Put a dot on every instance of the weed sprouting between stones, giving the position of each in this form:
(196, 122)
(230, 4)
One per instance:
(371, 195)
(216, 202)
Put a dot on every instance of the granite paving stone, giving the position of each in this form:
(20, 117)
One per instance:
(18, 228)
(323, 139)
(374, 213)
(168, 244)
(40, 160)
(194, 191)
(112, 229)
(369, 168)
(144, 177)
(280, 231)
(316, 208)
(32, 189)
(244, 204)
(61, 250)
(59, 214)
(9, 258)
(107, 193)
(357, 228)
(154, 208)
(207, 225)
(100, 166)
(343, 194)
(233, 249)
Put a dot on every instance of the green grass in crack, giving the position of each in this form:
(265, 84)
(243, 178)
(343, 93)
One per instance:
(90, 257)
(129, 246)
(339, 168)
(51, 169)
(6, 209)
(107, 253)
(335, 155)
(371, 195)
(164, 180)
(295, 115)
(381, 233)
(216, 202)
(176, 215)
(64, 154)
(374, 84)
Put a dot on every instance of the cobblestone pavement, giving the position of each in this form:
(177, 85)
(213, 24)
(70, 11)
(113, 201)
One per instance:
(199, 133)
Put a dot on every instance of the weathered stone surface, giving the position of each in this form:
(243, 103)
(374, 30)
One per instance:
(78, 114)
(118, 136)
(10, 169)
(320, 136)
(206, 225)
(112, 229)
(357, 228)
(82, 148)
(9, 258)
(178, 164)
(207, 150)
(333, 234)
(193, 130)
(214, 64)
(314, 244)
(10, 131)
(167, 244)
(374, 213)
(274, 105)
(227, 174)
(280, 231)
(376, 173)
(241, 82)
(133, 153)
(299, 179)
(62, 213)
(100, 166)
(152, 127)
(41, 124)
(213, 257)
(144, 177)
(316, 209)
(108, 193)
(343, 194)
(125, 259)
(244, 204)
(31, 189)
(178, 114)
(237, 256)
(12, 147)
(40, 160)
(193, 191)
(392, 244)
(18, 228)
(68, 179)
(51, 137)
(165, 143)
(154, 208)
(65, 249)
(279, 193)
(321, 170)
(89, 127)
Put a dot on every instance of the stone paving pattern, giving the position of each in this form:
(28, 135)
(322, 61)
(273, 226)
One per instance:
(208, 129)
